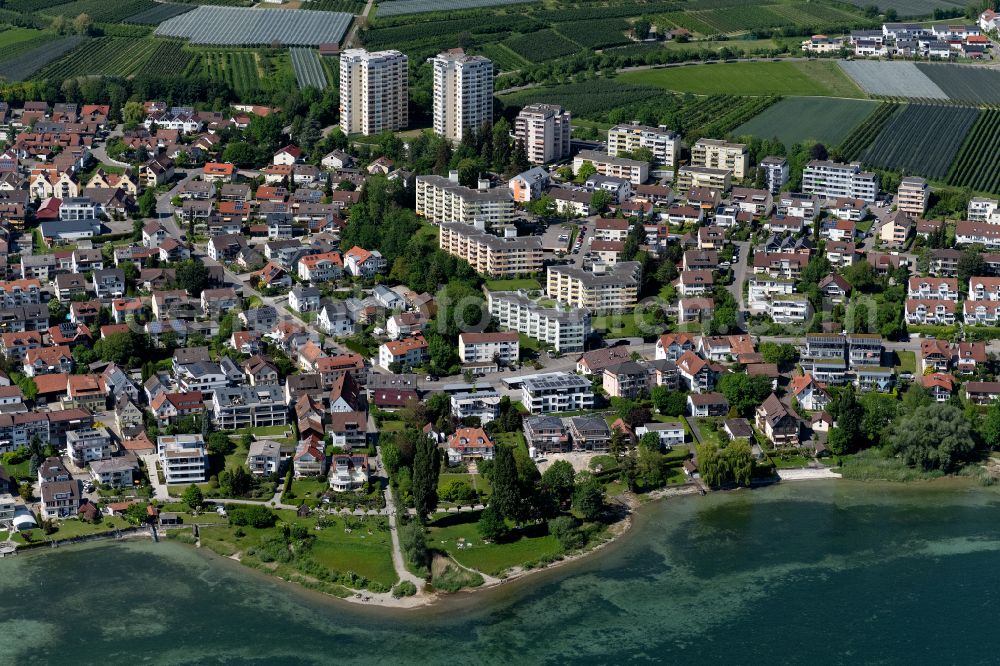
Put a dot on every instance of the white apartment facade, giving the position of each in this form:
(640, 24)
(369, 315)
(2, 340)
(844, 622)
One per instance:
(443, 200)
(833, 180)
(565, 330)
(616, 289)
(489, 254)
(634, 171)
(183, 458)
(503, 347)
(463, 93)
(557, 392)
(664, 144)
(913, 195)
(373, 91)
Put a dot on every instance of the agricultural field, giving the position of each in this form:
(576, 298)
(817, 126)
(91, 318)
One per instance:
(909, 8)
(587, 99)
(862, 136)
(26, 6)
(967, 83)
(114, 56)
(24, 64)
(795, 119)
(102, 11)
(168, 58)
(596, 33)
(736, 17)
(717, 115)
(808, 78)
(308, 68)
(248, 27)
(249, 72)
(349, 6)
(542, 45)
(503, 58)
(400, 7)
(923, 139)
(977, 166)
(158, 14)
(892, 79)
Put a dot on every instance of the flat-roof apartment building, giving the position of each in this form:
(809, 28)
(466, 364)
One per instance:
(664, 144)
(912, 196)
(544, 131)
(489, 254)
(634, 171)
(463, 93)
(719, 154)
(565, 330)
(183, 458)
(833, 180)
(614, 289)
(557, 392)
(373, 91)
(441, 199)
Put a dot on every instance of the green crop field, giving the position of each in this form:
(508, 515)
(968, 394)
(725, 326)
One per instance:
(978, 163)
(808, 78)
(923, 139)
(589, 99)
(795, 119)
(595, 34)
(114, 56)
(862, 136)
(541, 45)
(249, 71)
(102, 11)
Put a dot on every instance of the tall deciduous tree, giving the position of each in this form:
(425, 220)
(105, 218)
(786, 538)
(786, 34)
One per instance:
(935, 436)
(506, 497)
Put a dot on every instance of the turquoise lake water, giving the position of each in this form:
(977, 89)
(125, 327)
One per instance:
(816, 572)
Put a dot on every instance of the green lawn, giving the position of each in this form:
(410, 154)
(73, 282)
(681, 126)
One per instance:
(529, 545)
(513, 284)
(368, 555)
(309, 487)
(477, 481)
(627, 325)
(528, 343)
(72, 528)
(392, 426)
(515, 438)
(907, 361)
(809, 78)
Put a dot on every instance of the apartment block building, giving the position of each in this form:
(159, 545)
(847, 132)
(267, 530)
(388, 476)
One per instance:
(719, 154)
(249, 407)
(833, 180)
(86, 445)
(373, 91)
(566, 330)
(557, 392)
(486, 347)
(616, 288)
(776, 173)
(463, 93)
(664, 144)
(489, 254)
(912, 196)
(484, 405)
(689, 177)
(183, 458)
(544, 131)
(441, 200)
(634, 171)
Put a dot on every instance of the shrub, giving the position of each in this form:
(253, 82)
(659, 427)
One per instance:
(252, 516)
(566, 530)
(404, 588)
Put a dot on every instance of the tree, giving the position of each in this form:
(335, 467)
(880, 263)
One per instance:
(506, 497)
(192, 276)
(235, 481)
(744, 392)
(839, 442)
(934, 436)
(783, 355)
(739, 461)
(193, 497)
(240, 153)
(426, 464)
(558, 478)
(667, 402)
(586, 170)
(133, 113)
(601, 200)
(991, 426)
(491, 524)
(566, 531)
(219, 444)
(136, 514)
(848, 413)
(147, 203)
(588, 496)
(650, 441)
(970, 264)
(82, 24)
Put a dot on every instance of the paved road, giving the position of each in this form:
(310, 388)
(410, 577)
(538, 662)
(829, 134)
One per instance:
(740, 273)
(159, 489)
